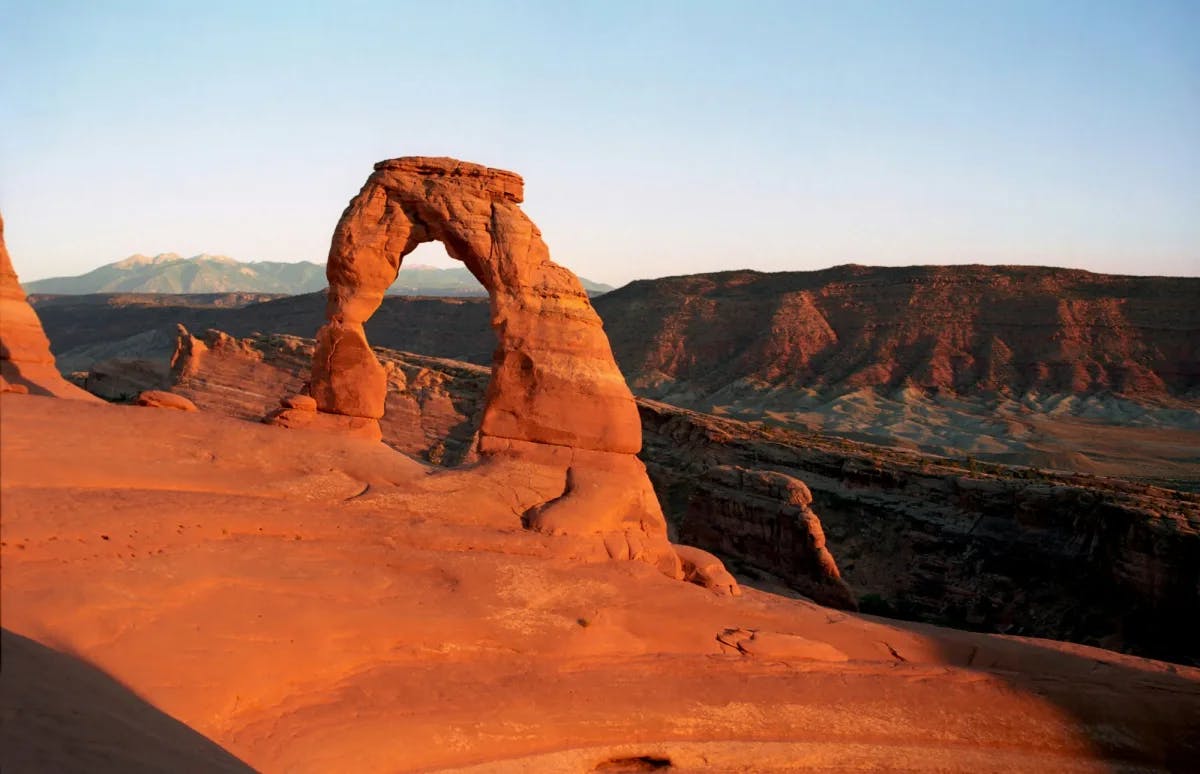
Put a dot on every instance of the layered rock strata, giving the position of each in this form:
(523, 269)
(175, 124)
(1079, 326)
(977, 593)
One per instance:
(766, 338)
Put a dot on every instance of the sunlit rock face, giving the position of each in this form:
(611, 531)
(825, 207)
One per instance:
(556, 397)
(26, 363)
(554, 379)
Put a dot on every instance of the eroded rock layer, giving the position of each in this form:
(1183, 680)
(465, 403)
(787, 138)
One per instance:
(703, 339)
(1004, 549)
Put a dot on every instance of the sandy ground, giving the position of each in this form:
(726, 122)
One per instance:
(193, 592)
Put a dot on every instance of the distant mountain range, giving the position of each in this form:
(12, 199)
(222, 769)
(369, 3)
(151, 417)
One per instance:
(172, 273)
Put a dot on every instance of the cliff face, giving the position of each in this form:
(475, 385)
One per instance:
(964, 329)
(986, 547)
(1148, 435)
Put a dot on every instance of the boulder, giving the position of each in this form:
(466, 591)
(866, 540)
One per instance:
(702, 568)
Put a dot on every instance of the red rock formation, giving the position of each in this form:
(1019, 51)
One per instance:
(26, 363)
(311, 602)
(553, 357)
(556, 397)
(1013, 550)
(961, 329)
(701, 567)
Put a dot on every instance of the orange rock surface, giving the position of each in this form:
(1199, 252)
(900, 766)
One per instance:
(556, 397)
(187, 590)
(554, 380)
(26, 363)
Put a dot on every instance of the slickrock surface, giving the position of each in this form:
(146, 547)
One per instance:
(26, 363)
(311, 602)
(556, 397)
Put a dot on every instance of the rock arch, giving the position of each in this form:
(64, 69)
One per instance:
(556, 397)
(554, 379)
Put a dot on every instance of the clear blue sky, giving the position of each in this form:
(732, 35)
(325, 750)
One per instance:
(655, 137)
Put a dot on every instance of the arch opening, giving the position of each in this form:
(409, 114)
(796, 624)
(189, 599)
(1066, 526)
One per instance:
(431, 335)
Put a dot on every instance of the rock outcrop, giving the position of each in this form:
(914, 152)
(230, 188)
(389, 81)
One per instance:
(556, 398)
(26, 363)
(432, 408)
(552, 357)
(309, 602)
(802, 349)
(767, 517)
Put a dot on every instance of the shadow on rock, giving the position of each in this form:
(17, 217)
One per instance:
(62, 714)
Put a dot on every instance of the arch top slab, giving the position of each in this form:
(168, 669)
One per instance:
(499, 183)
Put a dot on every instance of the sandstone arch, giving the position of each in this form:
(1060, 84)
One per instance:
(556, 397)
(554, 380)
